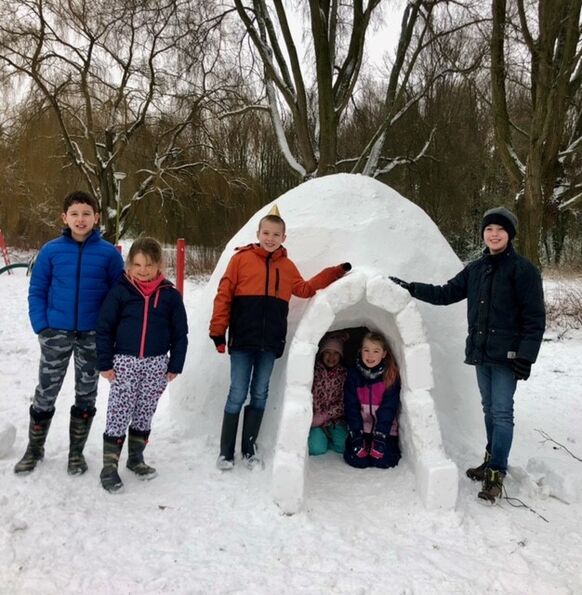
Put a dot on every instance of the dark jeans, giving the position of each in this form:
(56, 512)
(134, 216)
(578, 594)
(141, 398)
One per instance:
(497, 386)
(252, 368)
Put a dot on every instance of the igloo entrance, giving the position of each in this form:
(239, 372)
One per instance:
(372, 301)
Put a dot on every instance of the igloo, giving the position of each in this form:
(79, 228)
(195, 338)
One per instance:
(331, 220)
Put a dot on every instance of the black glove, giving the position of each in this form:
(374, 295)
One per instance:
(358, 444)
(521, 368)
(400, 282)
(346, 266)
(219, 342)
(378, 447)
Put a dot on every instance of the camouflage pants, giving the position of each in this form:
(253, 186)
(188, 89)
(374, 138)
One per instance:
(56, 347)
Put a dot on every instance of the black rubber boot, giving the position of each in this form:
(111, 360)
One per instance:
(227, 441)
(38, 427)
(478, 473)
(110, 479)
(251, 426)
(79, 427)
(492, 485)
(136, 443)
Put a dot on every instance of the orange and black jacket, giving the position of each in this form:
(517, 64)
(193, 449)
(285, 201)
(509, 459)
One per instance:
(253, 296)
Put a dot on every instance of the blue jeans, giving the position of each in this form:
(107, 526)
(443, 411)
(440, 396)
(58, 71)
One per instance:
(243, 364)
(497, 386)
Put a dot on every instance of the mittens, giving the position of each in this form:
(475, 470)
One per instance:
(346, 266)
(521, 368)
(378, 447)
(358, 444)
(219, 342)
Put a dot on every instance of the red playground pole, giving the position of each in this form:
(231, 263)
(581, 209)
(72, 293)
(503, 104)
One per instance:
(180, 264)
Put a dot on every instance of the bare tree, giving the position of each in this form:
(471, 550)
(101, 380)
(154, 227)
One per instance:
(107, 70)
(544, 176)
(337, 33)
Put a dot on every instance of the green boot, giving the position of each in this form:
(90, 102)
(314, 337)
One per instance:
(136, 443)
(492, 485)
(40, 422)
(79, 426)
(251, 426)
(110, 479)
(478, 473)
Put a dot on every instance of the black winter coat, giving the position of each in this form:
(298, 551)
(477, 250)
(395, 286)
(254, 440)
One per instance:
(505, 307)
(130, 324)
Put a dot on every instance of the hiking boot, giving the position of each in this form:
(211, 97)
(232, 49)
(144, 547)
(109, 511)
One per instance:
(38, 427)
(136, 443)
(225, 460)
(478, 473)
(109, 477)
(79, 426)
(492, 485)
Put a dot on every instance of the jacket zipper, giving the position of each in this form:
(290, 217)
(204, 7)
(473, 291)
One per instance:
(370, 407)
(264, 321)
(144, 327)
(78, 291)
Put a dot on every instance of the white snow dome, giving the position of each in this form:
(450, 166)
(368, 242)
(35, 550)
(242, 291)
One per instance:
(357, 219)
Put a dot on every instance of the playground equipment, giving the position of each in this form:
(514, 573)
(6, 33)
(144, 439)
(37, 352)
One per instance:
(9, 266)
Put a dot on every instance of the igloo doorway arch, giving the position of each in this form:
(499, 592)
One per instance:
(368, 299)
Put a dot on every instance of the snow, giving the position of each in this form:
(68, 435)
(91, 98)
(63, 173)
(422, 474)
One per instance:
(357, 219)
(196, 530)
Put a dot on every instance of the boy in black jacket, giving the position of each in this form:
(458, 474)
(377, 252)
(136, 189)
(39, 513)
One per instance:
(506, 319)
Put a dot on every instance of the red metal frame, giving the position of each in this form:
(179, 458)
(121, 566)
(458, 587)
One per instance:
(4, 251)
(180, 264)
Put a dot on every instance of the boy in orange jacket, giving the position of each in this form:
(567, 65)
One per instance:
(252, 302)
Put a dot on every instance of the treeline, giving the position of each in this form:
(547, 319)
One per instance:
(192, 146)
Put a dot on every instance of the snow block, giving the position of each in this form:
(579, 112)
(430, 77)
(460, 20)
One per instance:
(421, 440)
(419, 420)
(409, 323)
(381, 292)
(437, 479)
(289, 471)
(300, 363)
(417, 368)
(296, 419)
(7, 437)
(317, 318)
(344, 292)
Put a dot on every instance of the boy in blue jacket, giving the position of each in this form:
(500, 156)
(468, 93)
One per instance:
(70, 279)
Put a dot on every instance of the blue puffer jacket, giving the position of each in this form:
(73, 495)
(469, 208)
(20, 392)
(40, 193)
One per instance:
(70, 281)
(133, 324)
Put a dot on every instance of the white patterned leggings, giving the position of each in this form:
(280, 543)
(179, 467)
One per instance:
(135, 392)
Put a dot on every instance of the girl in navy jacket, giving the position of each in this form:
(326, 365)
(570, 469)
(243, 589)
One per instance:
(371, 404)
(142, 319)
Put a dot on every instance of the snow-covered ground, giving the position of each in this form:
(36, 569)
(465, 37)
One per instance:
(196, 530)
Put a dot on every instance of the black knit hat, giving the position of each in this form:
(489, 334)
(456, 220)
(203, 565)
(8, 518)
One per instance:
(500, 216)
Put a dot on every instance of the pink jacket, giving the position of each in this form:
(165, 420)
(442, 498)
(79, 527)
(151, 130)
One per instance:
(328, 394)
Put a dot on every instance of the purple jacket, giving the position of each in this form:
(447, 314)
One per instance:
(368, 404)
